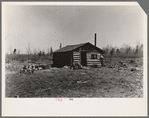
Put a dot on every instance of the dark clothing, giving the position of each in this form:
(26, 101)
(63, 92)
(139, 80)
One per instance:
(101, 59)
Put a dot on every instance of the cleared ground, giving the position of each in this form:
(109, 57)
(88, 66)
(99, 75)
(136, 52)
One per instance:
(121, 77)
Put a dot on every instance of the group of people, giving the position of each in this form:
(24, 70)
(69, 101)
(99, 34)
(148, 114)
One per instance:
(28, 69)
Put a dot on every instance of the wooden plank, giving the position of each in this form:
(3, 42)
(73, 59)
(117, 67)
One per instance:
(76, 53)
(76, 57)
(93, 61)
(76, 60)
(94, 64)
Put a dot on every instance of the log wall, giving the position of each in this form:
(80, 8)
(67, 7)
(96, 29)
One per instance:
(93, 62)
(76, 57)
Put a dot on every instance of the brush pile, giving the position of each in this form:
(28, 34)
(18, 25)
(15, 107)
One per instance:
(28, 69)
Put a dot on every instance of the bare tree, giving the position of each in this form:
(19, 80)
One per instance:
(10, 50)
(39, 54)
(34, 53)
(48, 51)
(112, 51)
(43, 53)
(28, 50)
(18, 53)
(118, 51)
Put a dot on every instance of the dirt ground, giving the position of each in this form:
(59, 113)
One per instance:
(121, 77)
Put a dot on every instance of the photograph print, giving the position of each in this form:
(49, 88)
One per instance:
(74, 51)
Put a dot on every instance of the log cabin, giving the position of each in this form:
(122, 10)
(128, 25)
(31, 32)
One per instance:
(85, 54)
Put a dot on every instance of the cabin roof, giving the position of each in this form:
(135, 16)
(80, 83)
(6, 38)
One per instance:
(70, 47)
(73, 47)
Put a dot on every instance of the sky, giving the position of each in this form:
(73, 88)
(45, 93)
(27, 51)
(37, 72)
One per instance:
(47, 26)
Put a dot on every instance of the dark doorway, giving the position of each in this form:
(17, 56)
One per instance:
(83, 59)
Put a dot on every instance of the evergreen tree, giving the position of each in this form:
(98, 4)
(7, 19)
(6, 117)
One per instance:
(43, 53)
(112, 51)
(117, 51)
(14, 51)
(39, 53)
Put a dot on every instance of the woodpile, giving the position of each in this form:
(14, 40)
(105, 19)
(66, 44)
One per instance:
(27, 69)
(75, 66)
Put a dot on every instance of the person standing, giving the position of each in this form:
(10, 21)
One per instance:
(101, 59)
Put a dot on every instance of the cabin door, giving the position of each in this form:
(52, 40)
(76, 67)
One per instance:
(83, 59)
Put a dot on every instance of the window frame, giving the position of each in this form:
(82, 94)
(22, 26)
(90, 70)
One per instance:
(93, 56)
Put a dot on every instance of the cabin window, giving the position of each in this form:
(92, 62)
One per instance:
(93, 56)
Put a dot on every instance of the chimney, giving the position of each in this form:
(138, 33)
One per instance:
(95, 39)
(60, 46)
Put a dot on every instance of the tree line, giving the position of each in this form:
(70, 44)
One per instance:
(34, 55)
(31, 54)
(124, 51)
